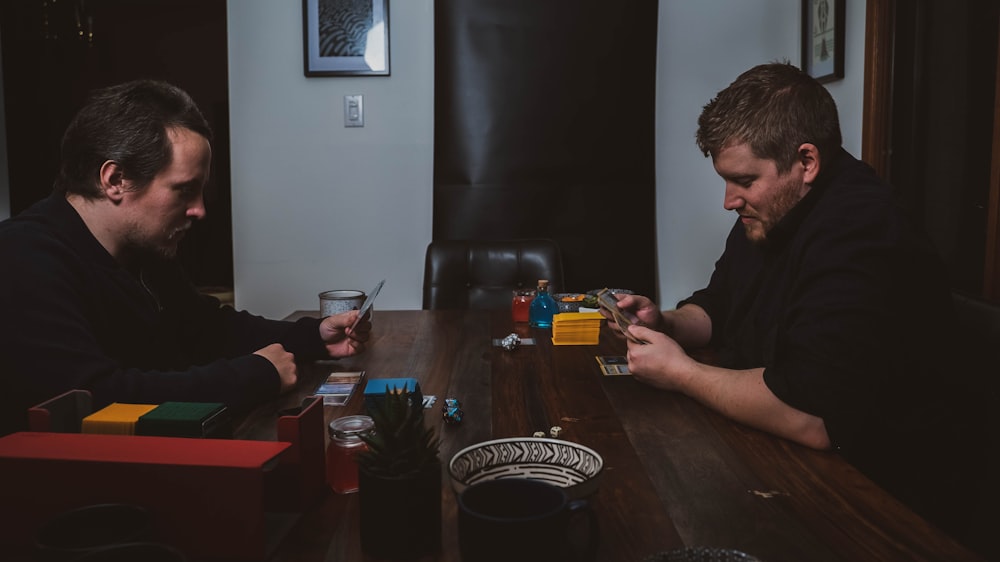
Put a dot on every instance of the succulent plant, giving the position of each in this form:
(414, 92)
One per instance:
(400, 445)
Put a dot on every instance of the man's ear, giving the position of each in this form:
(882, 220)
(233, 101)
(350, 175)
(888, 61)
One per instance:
(809, 157)
(112, 181)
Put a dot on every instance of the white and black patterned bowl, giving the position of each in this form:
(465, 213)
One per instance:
(571, 466)
(701, 554)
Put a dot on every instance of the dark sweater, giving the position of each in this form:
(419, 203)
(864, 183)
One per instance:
(847, 308)
(71, 317)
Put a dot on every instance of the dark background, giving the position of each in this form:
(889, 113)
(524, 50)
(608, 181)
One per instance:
(51, 62)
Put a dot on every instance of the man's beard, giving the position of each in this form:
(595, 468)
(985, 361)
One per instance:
(785, 199)
(138, 246)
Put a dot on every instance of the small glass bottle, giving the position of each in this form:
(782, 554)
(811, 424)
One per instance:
(543, 306)
(345, 444)
(520, 304)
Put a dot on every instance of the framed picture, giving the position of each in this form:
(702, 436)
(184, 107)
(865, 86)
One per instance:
(346, 37)
(823, 39)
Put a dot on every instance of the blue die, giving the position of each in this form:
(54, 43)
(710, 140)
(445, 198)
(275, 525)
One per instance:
(452, 411)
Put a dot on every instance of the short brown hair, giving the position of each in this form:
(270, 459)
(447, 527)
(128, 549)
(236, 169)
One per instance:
(774, 108)
(128, 124)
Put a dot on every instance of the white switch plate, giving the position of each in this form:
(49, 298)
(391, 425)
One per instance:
(354, 111)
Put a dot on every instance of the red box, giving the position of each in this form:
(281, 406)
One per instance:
(207, 496)
(299, 481)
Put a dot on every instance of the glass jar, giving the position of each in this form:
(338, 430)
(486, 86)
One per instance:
(345, 444)
(542, 307)
(520, 303)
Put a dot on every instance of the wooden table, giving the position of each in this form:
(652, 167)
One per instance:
(676, 474)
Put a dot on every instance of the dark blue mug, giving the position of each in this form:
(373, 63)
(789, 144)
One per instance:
(71, 534)
(524, 520)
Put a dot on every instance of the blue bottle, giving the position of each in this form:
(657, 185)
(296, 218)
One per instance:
(543, 306)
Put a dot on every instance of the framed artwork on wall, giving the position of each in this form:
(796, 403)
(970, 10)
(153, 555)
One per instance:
(346, 37)
(823, 39)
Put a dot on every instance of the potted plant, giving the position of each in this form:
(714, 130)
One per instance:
(400, 480)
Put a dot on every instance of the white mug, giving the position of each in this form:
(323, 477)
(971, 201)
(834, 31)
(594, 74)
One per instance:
(335, 302)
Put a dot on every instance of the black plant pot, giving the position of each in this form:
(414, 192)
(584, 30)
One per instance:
(400, 517)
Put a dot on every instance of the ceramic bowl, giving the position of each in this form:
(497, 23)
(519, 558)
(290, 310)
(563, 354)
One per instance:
(575, 468)
(701, 554)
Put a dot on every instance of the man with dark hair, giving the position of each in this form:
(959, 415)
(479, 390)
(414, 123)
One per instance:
(91, 297)
(828, 308)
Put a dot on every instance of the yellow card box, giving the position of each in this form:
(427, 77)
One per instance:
(115, 419)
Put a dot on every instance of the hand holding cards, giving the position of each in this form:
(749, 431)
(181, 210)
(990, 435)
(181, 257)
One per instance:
(607, 301)
(368, 303)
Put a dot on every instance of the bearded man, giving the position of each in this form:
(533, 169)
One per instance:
(829, 309)
(91, 297)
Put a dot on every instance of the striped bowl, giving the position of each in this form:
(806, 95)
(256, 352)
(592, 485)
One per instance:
(571, 466)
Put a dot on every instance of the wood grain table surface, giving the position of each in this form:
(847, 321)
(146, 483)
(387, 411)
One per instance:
(676, 474)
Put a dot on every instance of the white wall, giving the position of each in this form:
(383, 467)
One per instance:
(318, 206)
(702, 47)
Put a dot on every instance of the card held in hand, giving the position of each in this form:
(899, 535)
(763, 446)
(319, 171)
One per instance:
(606, 300)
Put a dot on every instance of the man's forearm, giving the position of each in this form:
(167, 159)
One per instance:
(743, 396)
(689, 325)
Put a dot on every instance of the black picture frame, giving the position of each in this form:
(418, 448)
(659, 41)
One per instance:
(341, 40)
(823, 39)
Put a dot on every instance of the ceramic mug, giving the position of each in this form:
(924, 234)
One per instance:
(134, 552)
(335, 302)
(525, 520)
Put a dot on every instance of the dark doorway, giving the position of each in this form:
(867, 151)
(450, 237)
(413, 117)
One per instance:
(932, 125)
(544, 128)
(55, 52)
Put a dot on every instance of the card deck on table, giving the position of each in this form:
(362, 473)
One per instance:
(338, 387)
(613, 365)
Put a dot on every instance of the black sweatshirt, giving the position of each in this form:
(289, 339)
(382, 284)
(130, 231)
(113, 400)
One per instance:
(72, 317)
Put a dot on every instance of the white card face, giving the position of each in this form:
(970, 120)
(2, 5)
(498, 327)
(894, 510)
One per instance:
(371, 298)
(338, 387)
(366, 306)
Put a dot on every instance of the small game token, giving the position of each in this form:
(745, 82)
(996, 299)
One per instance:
(452, 411)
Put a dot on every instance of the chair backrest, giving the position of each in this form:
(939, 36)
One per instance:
(481, 274)
(978, 330)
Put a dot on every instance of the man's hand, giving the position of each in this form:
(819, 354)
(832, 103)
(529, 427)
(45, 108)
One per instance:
(340, 339)
(661, 362)
(284, 363)
(641, 308)
(737, 394)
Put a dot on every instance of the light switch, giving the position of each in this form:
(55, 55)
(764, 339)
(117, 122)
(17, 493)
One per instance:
(354, 111)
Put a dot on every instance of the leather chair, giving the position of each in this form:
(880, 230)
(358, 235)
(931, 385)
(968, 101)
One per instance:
(977, 364)
(977, 333)
(979, 321)
(461, 274)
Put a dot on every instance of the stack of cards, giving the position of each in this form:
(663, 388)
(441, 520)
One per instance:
(115, 419)
(576, 328)
(338, 387)
(623, 319)
(187, 419)
(613, 365)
